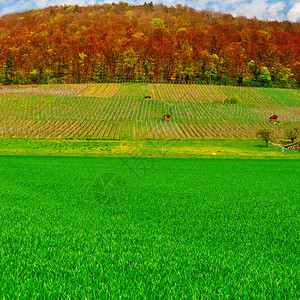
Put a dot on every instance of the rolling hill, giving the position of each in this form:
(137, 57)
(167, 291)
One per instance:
(120, 111)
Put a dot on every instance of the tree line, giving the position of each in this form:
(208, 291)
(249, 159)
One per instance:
(122, 42)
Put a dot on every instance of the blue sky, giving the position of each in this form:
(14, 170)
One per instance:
(262, 9)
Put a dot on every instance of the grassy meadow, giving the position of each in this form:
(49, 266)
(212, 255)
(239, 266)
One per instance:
(199, 148)
(100, 198)
(149, 228)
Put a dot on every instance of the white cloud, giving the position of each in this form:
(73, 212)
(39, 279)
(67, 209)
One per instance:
(15, 7)
(261, 9)
(6, 2)
(294, 13)
(11, 6)
(275, 11)
(256, 8)
(42, 3)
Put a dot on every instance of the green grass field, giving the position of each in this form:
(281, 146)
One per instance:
(149, 228)
(205, 148)
(102, 199)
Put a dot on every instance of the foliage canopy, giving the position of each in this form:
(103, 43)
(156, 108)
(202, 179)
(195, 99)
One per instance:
(75, 44)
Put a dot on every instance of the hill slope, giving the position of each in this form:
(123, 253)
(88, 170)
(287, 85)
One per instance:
(120, 111)
(98, 43)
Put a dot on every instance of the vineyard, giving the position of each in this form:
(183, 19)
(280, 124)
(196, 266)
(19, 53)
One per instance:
(120, 111)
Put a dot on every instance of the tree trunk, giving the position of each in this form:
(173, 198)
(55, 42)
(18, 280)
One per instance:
(267, 144)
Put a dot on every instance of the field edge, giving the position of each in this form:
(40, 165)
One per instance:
(205, 148)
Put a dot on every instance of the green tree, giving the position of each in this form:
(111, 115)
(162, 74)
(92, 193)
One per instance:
(252, 65)
(265, 134)
(281, 74)
(8, 70)
(292, 133)
(265, 75)
(157, 22)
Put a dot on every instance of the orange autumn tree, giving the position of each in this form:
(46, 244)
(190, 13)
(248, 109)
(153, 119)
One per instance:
(113, 42)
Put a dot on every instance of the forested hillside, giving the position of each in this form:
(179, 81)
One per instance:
(116, 42)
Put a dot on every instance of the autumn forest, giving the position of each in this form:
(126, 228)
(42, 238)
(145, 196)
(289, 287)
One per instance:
(122, 42)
